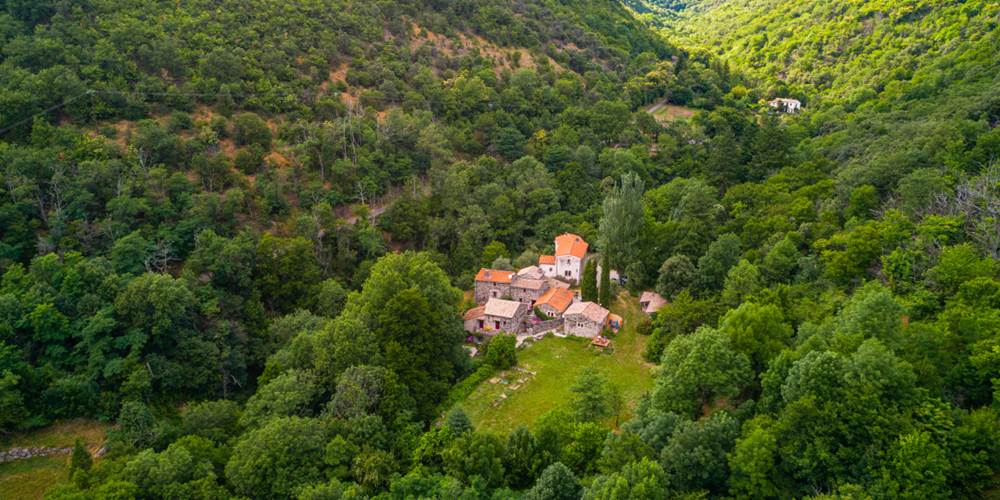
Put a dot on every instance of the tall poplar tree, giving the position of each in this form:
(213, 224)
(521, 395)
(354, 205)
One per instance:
(622, 222)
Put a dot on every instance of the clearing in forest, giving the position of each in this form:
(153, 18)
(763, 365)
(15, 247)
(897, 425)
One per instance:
(547, 369)
(664, 112)
(29, 478)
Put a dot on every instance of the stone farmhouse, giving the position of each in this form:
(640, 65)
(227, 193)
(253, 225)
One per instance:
(569, 259)
(581, 319)
(492, 284)
(507, 300)
(585, 319)
(498, 315)
(498, 284)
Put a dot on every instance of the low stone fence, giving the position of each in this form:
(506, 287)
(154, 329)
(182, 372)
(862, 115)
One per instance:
(25, 453)
(544, 326)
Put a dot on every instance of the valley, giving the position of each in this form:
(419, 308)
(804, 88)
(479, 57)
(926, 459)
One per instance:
(484, 249)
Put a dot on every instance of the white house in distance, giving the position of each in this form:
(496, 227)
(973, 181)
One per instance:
(784, 105)
(569, 259)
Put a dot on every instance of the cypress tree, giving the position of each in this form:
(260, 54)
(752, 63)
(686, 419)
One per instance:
(604, 291)
(588, 284)
(80, 460)
(458, 421)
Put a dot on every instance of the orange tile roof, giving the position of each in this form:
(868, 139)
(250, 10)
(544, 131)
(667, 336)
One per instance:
(547, 260)
(557, 298)
(474, 313)
(571, 244)
(494, 276)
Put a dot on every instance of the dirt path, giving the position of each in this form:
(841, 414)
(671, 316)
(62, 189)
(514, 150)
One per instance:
(656, 107)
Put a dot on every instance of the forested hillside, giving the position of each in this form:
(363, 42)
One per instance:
(892, 85)
(240, 231)
(182, 192)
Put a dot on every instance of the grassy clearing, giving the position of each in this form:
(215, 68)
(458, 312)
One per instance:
(28, 479)
(670, 112)
(58, 435)
(556, 362)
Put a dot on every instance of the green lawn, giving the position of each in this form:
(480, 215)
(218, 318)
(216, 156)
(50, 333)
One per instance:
(28, 479)
(555, 363)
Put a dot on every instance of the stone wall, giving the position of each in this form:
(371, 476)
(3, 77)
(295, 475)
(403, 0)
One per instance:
(486, 290)
(544, 326)
(25, 453)
(526, 295)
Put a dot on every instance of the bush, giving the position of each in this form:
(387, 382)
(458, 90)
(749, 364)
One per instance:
(501, 352)
(178, 121)
(644, 327)
(249, 128)
(541, 315)
(461, 390)
(250, 159)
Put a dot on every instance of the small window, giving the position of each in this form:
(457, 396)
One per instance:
(481, 324)
(497, 324)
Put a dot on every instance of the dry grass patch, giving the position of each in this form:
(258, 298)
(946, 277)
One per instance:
(28, 479)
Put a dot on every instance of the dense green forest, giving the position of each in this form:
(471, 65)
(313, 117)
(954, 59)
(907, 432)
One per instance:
(894, 86)
(239, 230)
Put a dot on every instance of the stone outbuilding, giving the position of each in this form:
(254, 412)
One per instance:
(585, 319)
(650, 302)
(473, 318)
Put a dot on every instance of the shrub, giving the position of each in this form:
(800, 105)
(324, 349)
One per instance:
(501, 352)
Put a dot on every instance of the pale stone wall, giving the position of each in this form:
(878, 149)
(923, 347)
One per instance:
(526, 295)
(486, 290)
(580, 326)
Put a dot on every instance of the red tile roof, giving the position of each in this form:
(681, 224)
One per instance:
(571, 244)
(557, 298)
(474, 313)
(494, 276)
(547, 260)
